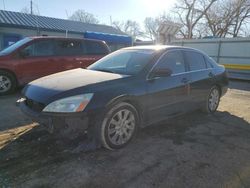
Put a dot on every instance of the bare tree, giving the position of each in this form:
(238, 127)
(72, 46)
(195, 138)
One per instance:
(242, 13)
(26, 10)
(83, 16)
(190, 13)
(151, 25)
(129, 27)
(227, 17)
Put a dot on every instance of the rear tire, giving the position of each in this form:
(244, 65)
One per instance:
(212, 100)
(8, 83)
(119, 126)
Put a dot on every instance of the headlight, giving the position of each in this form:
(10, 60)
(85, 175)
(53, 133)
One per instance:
(70, 104)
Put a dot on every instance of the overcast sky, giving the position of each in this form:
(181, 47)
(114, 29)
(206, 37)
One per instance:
(118, 9)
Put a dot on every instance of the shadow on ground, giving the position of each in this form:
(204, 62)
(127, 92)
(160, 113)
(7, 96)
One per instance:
(195, 150)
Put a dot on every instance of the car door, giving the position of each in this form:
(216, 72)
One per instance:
(201, 74)
(167, 95)
(37, 60)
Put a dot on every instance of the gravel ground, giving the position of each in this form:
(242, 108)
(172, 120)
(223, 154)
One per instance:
(195, 150)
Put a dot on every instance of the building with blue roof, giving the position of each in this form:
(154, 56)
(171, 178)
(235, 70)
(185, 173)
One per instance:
(16, 25)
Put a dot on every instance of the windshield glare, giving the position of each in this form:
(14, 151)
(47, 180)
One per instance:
(14, 46)
(129, 62)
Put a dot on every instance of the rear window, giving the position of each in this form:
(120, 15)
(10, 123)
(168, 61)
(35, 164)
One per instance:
(95, 48)
(195, 60)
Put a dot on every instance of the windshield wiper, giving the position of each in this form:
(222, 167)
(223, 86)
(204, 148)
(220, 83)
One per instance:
(105, 70)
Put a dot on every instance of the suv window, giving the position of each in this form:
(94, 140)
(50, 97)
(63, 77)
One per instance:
(95, 48)
(69, 47)
(195, 60)
(174, 61)
(40, 48)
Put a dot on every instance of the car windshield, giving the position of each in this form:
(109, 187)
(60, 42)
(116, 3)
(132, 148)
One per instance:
(14, 46)
(129, 62)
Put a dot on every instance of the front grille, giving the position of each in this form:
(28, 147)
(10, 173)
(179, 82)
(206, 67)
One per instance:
(35, 106)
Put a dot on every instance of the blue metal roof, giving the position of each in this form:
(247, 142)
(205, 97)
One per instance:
(22, 20)
(110, 38)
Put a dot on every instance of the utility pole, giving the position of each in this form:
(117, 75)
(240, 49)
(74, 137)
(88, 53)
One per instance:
(31, 7)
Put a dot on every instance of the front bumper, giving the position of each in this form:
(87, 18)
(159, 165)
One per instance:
(64, 123)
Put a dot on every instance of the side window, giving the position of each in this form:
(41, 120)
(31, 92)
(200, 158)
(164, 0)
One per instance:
(95, 48)
(173, 61)
(69, 47)
(209, 61)
(195, 60)
(40, 48)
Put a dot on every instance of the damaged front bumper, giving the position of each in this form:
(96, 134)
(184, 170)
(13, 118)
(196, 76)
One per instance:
(63, 123)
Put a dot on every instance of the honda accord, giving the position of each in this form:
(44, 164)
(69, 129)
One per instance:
(126, 90)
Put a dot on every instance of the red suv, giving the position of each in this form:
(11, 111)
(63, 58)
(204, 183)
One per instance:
(35, 57)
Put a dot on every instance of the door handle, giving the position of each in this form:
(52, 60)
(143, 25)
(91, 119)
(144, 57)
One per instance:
(184, 80)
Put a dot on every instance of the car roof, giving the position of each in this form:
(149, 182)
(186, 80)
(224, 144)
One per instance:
(161, 48)
(156, 47)
(65, 38)
(148, 47)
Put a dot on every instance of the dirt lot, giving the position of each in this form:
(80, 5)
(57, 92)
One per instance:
(195, 150)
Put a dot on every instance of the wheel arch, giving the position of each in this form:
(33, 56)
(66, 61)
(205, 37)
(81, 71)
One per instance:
(131, 100)
(11, 72)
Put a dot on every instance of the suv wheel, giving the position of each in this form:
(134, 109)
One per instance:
(119, 126)
(7, 83)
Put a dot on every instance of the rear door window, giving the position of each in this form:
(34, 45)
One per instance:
(95, 48)
(209, 62)
(172, 60)
(195, 60)
(69, 48)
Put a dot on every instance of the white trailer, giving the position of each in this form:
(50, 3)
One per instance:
(233, 53)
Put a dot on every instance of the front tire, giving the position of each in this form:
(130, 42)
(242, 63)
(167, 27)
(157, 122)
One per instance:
(119, 126)
(7, 83)
(212, 101)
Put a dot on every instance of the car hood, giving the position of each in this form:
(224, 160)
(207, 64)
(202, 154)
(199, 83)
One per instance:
(45, 89)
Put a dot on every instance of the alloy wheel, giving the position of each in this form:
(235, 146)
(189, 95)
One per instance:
(5, 83)
(121, 127)
(213, 100)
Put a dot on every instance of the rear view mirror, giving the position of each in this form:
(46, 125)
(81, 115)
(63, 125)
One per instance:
(163, 72)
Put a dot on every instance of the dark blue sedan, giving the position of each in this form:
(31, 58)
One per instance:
(128, 89)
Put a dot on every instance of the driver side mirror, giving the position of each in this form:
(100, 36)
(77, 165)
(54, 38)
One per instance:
(163, 72)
